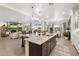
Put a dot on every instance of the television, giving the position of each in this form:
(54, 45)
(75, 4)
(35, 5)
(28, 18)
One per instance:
(13, 26)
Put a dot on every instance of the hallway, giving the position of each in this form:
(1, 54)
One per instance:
(64, 48)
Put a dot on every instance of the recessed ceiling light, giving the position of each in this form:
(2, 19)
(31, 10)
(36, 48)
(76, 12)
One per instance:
(47, 16)
(37, 9)
(51, 3)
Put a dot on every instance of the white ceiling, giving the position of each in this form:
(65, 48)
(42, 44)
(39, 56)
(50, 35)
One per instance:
(6, 14)
(53, 12)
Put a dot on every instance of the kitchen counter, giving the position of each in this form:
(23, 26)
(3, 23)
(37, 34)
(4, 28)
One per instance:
(40, 45)
(39, 39)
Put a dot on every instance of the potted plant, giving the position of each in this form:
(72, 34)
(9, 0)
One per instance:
(67, 35)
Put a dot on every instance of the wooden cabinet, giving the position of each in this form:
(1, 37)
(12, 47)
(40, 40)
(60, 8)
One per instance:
(34, 49)
(48, 47)
(42, 50)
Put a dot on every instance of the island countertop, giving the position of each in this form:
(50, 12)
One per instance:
(39, 39)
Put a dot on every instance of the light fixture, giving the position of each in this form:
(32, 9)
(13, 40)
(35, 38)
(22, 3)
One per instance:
(32, 12)
(35, 11)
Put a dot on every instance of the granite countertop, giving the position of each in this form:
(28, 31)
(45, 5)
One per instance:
(39, 39)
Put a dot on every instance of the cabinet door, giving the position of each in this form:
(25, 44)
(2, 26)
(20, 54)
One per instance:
(53, 43)
(44, 47)
(48, 47)
(34, 49)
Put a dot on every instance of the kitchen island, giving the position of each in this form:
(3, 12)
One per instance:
(40, 45)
